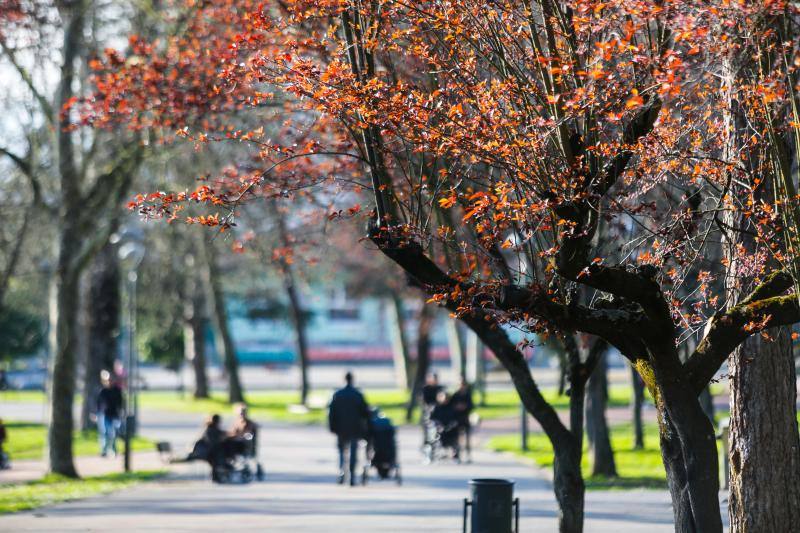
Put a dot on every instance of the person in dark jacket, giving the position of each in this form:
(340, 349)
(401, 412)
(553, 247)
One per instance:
(348, 417)
(109, 413)
(446, 420)
(463, 407)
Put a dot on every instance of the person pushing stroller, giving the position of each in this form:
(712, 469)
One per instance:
(348, 418)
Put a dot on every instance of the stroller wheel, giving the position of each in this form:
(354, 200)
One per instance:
(397, 477)
(259, 473)
(364, 476)
(247, 475)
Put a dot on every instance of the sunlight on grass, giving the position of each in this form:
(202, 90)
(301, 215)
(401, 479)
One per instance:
(27, 441)
(636, 468)
(53, 489)
(282, 405)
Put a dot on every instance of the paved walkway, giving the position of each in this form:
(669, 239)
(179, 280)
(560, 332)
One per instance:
(299, 494)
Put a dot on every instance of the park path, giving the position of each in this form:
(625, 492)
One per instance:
(299, 494)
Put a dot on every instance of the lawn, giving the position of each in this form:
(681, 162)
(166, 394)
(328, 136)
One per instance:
(636, 468)
(282, 405)
(53, 489)
(27, 441)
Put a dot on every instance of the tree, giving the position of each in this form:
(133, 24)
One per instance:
(225, 345)
(762, 369)
(88, 188)
(104, 315)
(596, 425)
(492, 146)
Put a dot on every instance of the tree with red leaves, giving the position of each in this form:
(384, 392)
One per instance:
(560, 167)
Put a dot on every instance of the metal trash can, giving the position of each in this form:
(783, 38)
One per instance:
(493, 507)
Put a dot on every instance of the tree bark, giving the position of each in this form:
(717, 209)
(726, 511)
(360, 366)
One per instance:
(224, 339)
(299, 322)
(400, 351)
(194, 335)
(104, 320)
(64, 299)
(764, 442)
(597, 431)
(423, 356)
(636, 409)
(689, 452)
(707, 403)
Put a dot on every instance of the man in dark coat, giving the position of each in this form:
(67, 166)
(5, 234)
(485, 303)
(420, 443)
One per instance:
(109, 413)
(347, 418)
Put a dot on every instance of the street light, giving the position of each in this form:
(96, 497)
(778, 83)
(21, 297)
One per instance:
(131, 252)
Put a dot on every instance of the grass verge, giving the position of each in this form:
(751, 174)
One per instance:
(27, 440)
(281, 405)
(54, 489)
(636, 468)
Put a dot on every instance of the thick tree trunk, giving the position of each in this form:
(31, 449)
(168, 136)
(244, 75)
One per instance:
(636, 409)
(689, 452)
(423, 356)
(568, 486)
(63, 330)
(299, 322)
(224, 340)
(764, 446)
(104, 320)
(764, 443)
(400, 351)
(597, 430)
(194, 336)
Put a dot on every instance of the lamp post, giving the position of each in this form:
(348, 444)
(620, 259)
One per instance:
(131, 252)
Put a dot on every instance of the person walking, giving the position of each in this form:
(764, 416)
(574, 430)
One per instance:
(348, 418)
(463, 407)
(109, 413)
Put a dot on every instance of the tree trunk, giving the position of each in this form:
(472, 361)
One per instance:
(194, 335)
(689, 452)
(764, 443)
(636, 409)
(707, 403)
(455, 344)
(400, 351)
(224, 340)
(299, 322)
(423, 356)
(63, 331)
(597, 431)
(104, 320)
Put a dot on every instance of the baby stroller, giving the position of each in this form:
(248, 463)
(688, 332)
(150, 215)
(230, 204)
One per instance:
(381, 450)
(442, 433)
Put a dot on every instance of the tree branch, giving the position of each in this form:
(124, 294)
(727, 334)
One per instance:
(764, 308)
(47, 109)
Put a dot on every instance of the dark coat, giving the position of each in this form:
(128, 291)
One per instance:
(109, 402)
(463, 405)
(348, 414)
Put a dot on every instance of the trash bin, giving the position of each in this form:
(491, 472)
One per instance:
(493, 506)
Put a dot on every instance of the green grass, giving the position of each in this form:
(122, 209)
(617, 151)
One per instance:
(27, 441)
(281, 405)
(636, 468)
(31, 396)
(53, 489)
